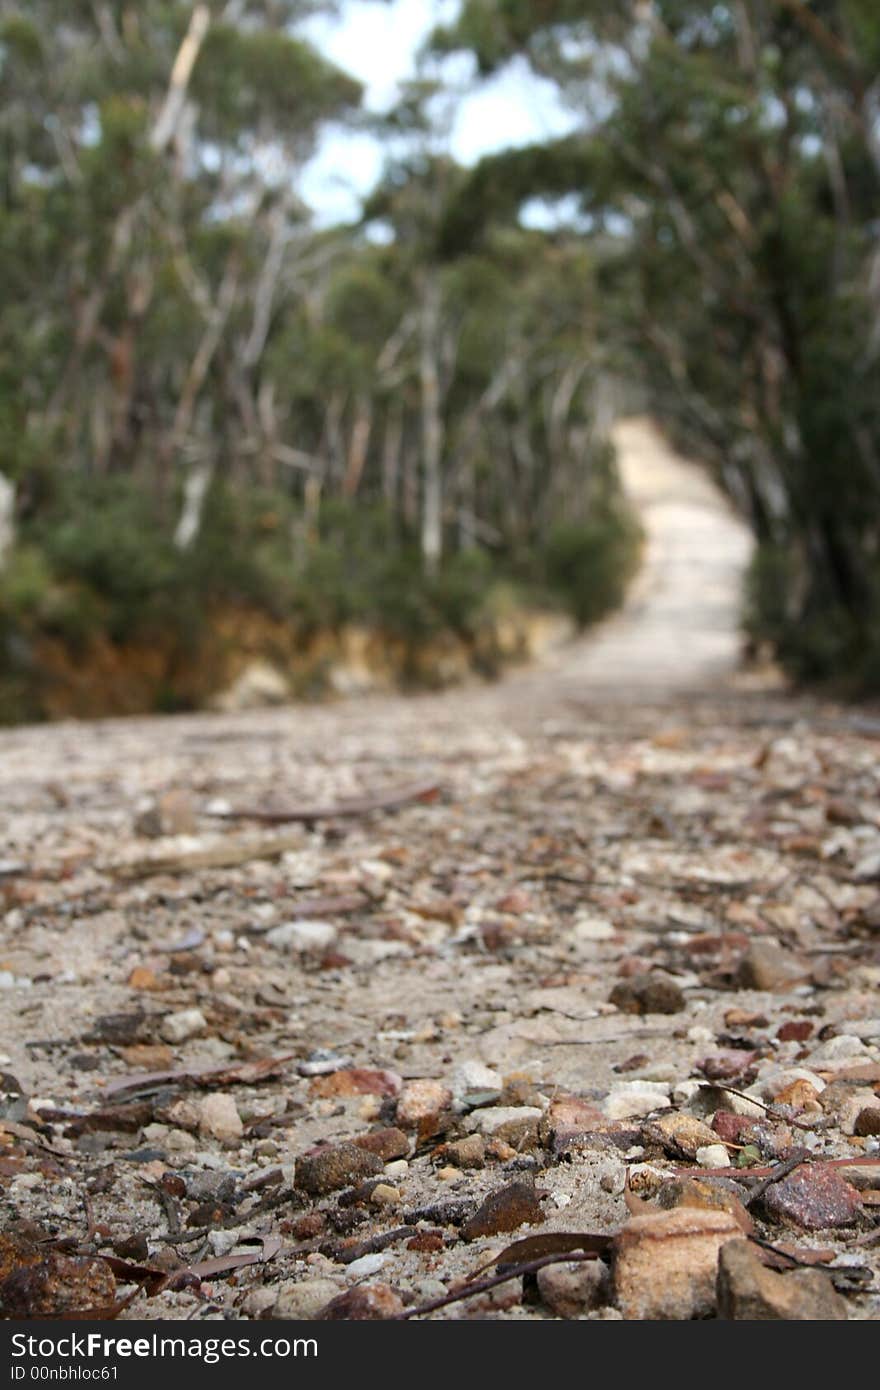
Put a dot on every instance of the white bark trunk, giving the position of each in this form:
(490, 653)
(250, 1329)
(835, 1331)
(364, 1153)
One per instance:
(432, 431)
(7, 518)
(175, 98)
(195, 490)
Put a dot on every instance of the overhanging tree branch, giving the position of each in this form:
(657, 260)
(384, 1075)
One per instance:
(175, 98)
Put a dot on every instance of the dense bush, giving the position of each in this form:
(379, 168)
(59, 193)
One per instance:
(815, 637)
(588, 566)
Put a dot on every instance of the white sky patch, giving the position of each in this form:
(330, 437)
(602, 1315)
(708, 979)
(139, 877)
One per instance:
(552, 214)
(378, 43)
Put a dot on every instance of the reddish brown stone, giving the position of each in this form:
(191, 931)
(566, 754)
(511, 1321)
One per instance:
(796, 1030)
(868, 1121)
(726, 1065)
(505, 1210)
(748, 1291)
(744, 1018)
(426, 1242)
(16, 1252)
(733, 1129)
(368, 1303)
(814, 1197)
(766, 966)
(339, 1165)
(469, 1152)
(647, 994)
(57, 1285)
(387, 1144)
(356, 1081)
(515, 903)
(308, 1226)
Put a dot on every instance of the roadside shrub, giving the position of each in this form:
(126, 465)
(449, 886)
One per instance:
(813, 636)
(588, 566)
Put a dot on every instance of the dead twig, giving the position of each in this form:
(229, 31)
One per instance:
(768, 1109)
(781, 1170)
(486, 1285)
(744, 1174)
(224, 856)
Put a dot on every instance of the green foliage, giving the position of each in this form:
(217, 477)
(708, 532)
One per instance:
(248, 77)
(495, 30)
(816, 637)
(356, 572)
(589, 565)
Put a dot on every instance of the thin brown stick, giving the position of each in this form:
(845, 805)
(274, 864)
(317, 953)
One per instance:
(768, 1109)
(486, 1285)
(781, 1171)
(224, 856)
(745, 1173)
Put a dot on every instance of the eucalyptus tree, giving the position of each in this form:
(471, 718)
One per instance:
(725, 158)
(149, 229)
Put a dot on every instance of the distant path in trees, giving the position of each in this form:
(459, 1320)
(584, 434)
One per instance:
(679, 627)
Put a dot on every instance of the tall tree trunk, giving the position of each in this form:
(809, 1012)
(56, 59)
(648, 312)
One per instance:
(7, 519)
(358, 446)
(165, 126)
(195, 490)
(432, 428)
(391, 447)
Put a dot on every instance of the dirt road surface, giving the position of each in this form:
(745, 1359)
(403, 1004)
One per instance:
(617, 893)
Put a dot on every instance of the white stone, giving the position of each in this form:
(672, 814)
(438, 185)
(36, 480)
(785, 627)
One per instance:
(303, 1301)
(219, 1117)
(303, 936)
(377, 868)
(180, 1026)
(367, 1264)
(368, 953)
(633, 1098)
(840, 1049)
(177, 1140)
(23, 1181)
(472, 1075)
(664, 1072)
(589, 928)
(772, 1079)
(259, 1301)
(489, 1120)
(868, 867)
(221, 1242)
(713, 1156)
(684, 1091)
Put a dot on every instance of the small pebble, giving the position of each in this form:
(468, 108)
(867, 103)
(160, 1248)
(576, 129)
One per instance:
(384, 1195)
(713, 1156)
(366, 1265)
(177, 1027)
